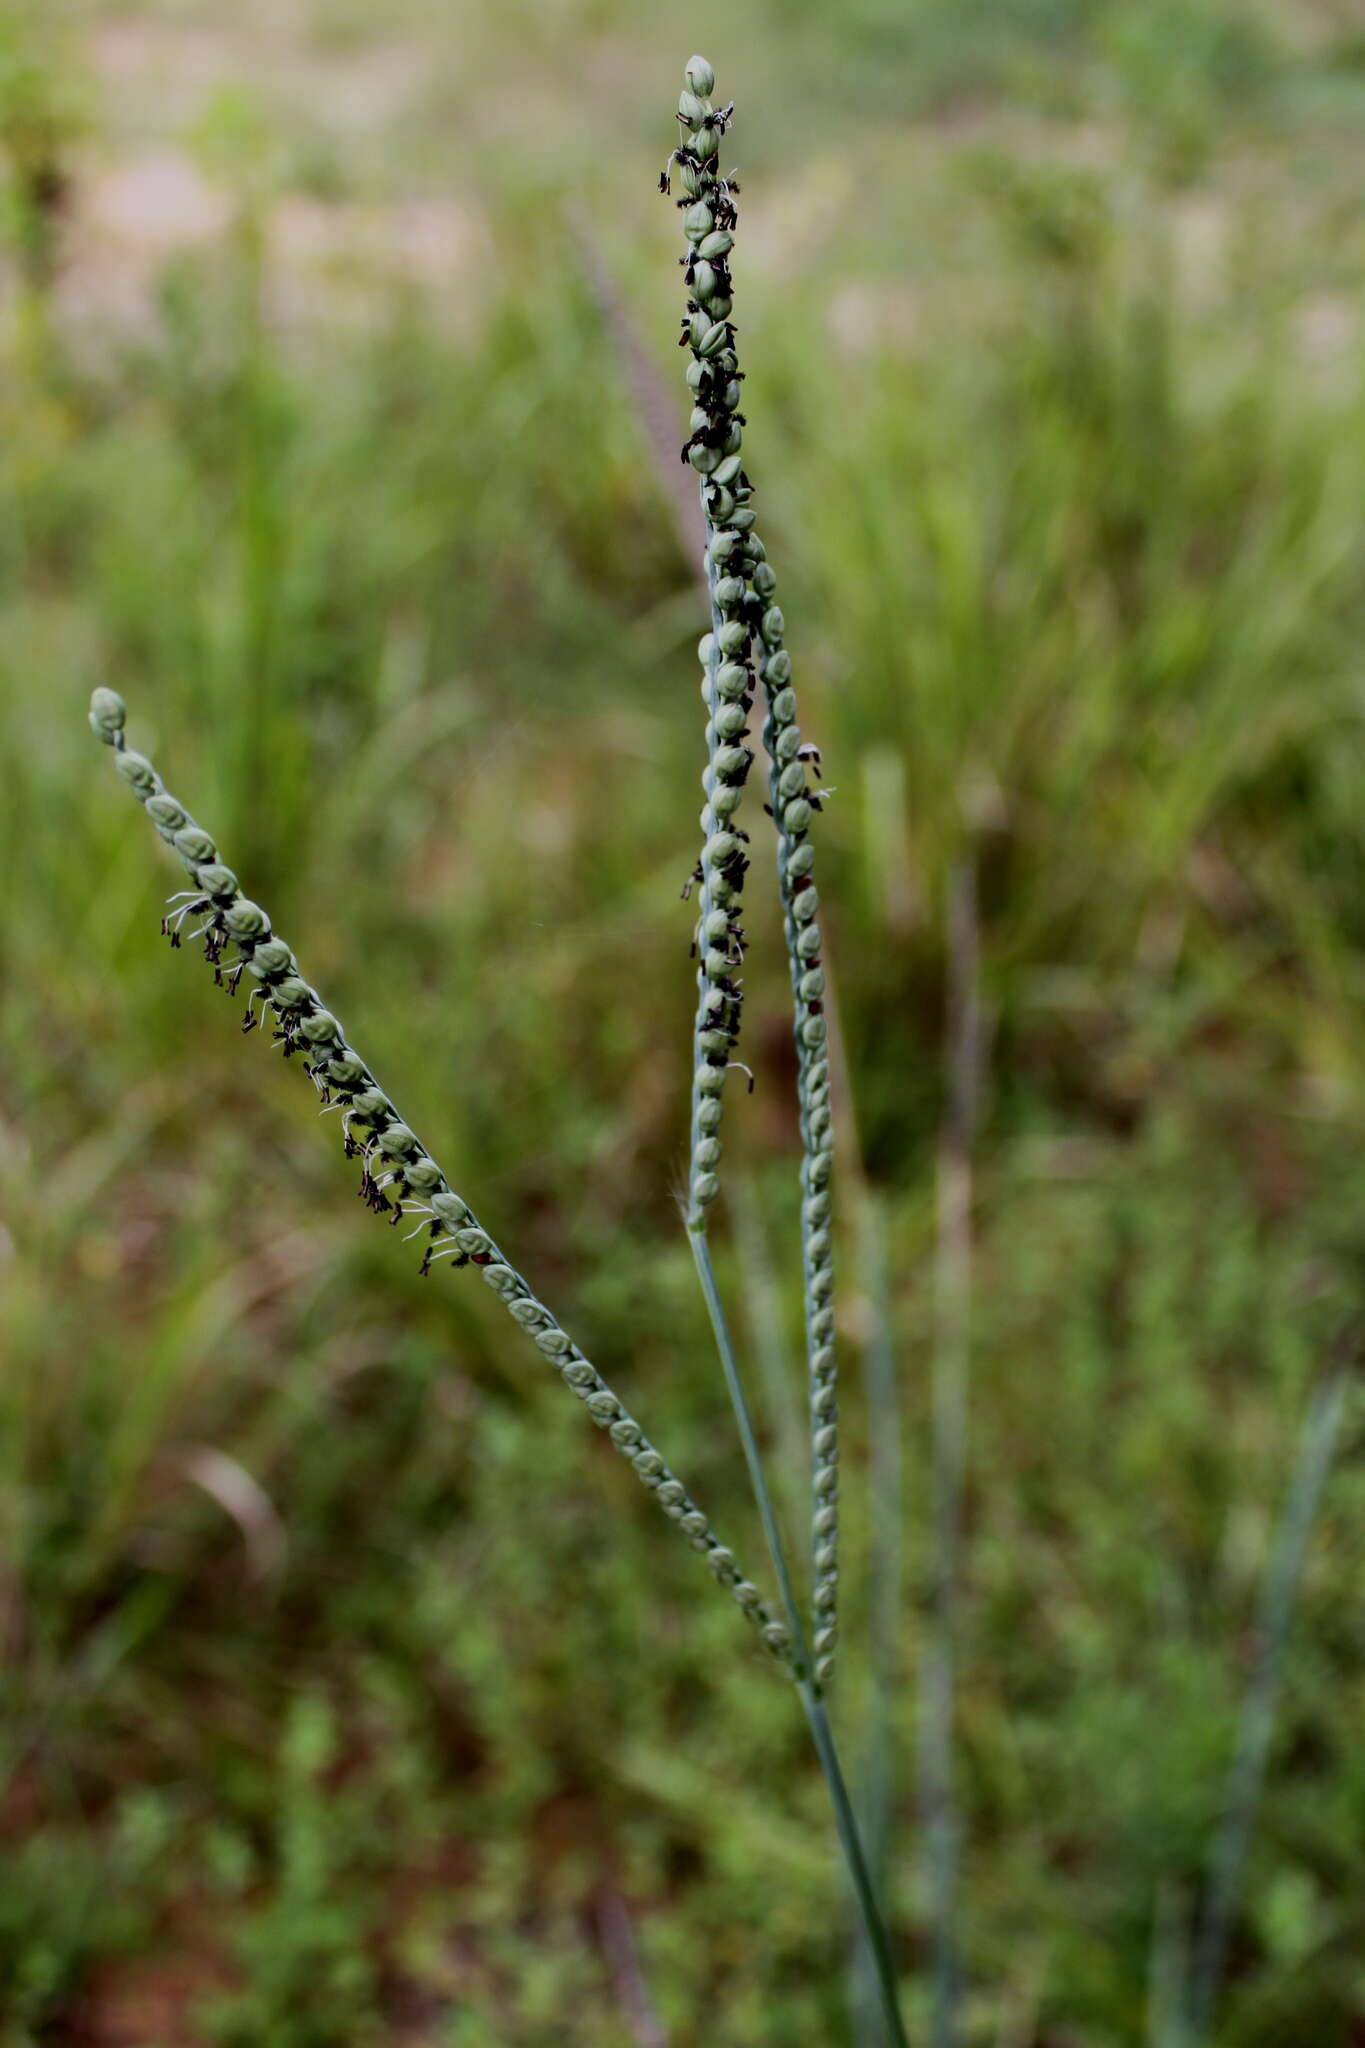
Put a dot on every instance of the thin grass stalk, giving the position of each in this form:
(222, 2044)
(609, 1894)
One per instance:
(748, 627)
(952, 1337)
(399, 1178)
(1256, 1727)
(873, 1924)
(885, 1476)
(763, 1319)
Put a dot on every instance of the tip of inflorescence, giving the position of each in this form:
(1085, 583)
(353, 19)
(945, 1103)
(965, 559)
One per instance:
(107, 714)
(700, 77)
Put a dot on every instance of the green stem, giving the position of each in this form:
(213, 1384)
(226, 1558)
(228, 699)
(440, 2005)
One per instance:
(812, 1700)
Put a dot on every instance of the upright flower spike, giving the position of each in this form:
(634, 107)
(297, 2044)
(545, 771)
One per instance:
(398, 1177)
(747, 633)
(727, 651)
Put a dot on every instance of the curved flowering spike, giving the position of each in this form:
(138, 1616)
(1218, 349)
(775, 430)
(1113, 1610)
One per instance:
(728, 679)
(398, 1176)
(747, 632)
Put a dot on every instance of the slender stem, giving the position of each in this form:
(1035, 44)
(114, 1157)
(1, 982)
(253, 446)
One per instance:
(1279, 1594)
(874, 1927)
(706, 1273)
(885, 1480)
(952, 1286)
(864, 1892)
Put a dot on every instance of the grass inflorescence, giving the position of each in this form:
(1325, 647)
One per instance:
(744, 647)
(399, 1179)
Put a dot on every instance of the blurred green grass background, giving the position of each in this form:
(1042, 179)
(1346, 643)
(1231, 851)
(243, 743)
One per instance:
(350, 1692)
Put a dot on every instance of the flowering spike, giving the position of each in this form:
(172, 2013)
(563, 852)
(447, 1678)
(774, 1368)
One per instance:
(302, 1019)
(747, 642)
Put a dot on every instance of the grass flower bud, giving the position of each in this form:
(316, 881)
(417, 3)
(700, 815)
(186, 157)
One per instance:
(449, 1209)
(765, 582)
(107, 714)
(706, 282)
(733, 637)
(716, 245)
(166, 814)
(703, 458)
(700, 77)
(698, 221)
(192, 845)
(291, 993)
(772, 626)
(271, 959)
(729, 593)
(246, 920)
(732, 680)
(138, 772)
(796, 816)
(690, 109)
(730, 720)
(730, 467)
(321, 1028)
(216, 880)
(792, 781)
(713, 340)
(397, 1141)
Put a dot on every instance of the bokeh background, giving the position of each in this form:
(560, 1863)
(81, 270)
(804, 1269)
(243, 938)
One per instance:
(352, 1692)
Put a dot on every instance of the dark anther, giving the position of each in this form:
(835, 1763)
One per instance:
(249, 1022)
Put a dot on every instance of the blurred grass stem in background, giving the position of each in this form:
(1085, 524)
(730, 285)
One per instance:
(1256, 1725)
(951, 1369)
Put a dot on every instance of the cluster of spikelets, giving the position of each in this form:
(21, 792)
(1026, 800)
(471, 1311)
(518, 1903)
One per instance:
(399, 1177)
(743, 650)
